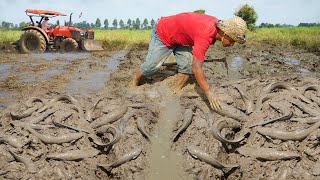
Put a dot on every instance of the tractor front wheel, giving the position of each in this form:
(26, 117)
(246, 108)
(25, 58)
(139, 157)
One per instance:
(69, 45)
(32, 41)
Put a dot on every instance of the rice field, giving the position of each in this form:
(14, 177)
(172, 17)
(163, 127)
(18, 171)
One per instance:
(302, 37)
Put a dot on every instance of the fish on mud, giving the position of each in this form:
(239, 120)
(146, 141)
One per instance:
(90, 111)
(221, 124)
(116, 134)
(110, 117)
(303, 107)
(245, 98)
(43, 116)
(12, 141)
(312, 87)
(74, 155)
(296, 135)
(187, 118)
(150, 107)
(197, 153)
(141, 128)
(125, 158)
(267, 154)
(282, 118)
(24, 114)
(30, 101)
(55, 139)
(30, 166)
(308, 120)
(232, 112)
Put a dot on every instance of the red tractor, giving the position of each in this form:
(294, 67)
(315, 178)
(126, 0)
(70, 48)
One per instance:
(64, 38)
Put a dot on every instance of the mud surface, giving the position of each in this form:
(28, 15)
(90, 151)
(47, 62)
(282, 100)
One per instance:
(75, 116)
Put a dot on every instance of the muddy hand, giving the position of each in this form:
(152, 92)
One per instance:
(213, 99)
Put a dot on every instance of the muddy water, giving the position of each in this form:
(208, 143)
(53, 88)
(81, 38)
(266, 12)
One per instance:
(104, 77)
(165, 163)
(92, 81)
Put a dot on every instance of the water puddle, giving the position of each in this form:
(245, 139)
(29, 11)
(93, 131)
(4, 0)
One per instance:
(5, 67)
(236, 63)
(94, 81)
(47, 74)
(291, 61)
(52, 56)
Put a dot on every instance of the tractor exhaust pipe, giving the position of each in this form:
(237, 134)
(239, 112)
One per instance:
(70, 20)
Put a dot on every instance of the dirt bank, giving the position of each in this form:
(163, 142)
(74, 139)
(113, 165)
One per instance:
(53, 105)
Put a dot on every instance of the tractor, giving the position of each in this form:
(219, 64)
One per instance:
(63, 38)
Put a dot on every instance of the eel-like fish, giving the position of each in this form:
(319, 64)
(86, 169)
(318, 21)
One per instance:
(12, 141)
(308, 120)
(221, 124)
(305, 108)
(268, 154)
(116, 134)
(247, 101)
(43, 116)
(312, 87)
(282, 118)
(90, 111)
(232, 112)
(74, 155)
(30, 166)
(110, 117)
(196, 153)
(187, 118)
(24, 114)
(55, 139)
(141, 128)
(125, 158)
(297, 135)
(30, 101)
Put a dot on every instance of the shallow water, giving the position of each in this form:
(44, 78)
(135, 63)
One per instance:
(93, 81)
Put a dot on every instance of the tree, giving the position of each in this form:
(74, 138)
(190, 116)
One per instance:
(137, 24)
(133, 24)
(106, 24)
(121, 24)
(145, 23)
(200, 11)
(98, 23)
(129, 23)
(152, 23)
(248, 14)
(22, 25)
(115, 24)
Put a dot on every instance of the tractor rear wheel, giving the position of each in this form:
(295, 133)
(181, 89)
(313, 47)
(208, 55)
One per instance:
(32, 41)
(69, 45)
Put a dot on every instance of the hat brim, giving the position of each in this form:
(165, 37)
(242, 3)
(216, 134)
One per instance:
(230, 33)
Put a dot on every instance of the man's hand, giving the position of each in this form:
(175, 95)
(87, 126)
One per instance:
(213, 99)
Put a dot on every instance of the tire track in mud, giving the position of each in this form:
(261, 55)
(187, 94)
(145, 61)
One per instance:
(165, 163)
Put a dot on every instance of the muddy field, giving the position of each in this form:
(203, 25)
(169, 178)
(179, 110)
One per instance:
(75, 116)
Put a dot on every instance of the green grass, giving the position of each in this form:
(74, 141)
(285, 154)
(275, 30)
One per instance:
(9, 36)
(301, 37)
(119, 39)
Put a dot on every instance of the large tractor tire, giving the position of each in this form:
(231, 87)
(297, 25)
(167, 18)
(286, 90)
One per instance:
(69, 45)
(32, 41)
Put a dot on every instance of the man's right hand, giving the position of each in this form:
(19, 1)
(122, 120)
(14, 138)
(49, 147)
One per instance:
(213, 99)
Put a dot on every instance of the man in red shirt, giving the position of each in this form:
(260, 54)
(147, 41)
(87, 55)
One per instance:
(188, 36)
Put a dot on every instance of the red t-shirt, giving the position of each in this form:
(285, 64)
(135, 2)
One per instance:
(188, 29)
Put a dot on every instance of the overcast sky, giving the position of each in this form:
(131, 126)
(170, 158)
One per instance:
(271, 11)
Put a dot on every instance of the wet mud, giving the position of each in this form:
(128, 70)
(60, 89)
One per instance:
(76, 116)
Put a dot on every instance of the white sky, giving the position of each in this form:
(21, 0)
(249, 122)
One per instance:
(271, 11)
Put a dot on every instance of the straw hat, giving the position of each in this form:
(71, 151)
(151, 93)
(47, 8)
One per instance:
(235, 28)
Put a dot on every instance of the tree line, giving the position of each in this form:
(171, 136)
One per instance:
(246, 12)
(116, 24)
